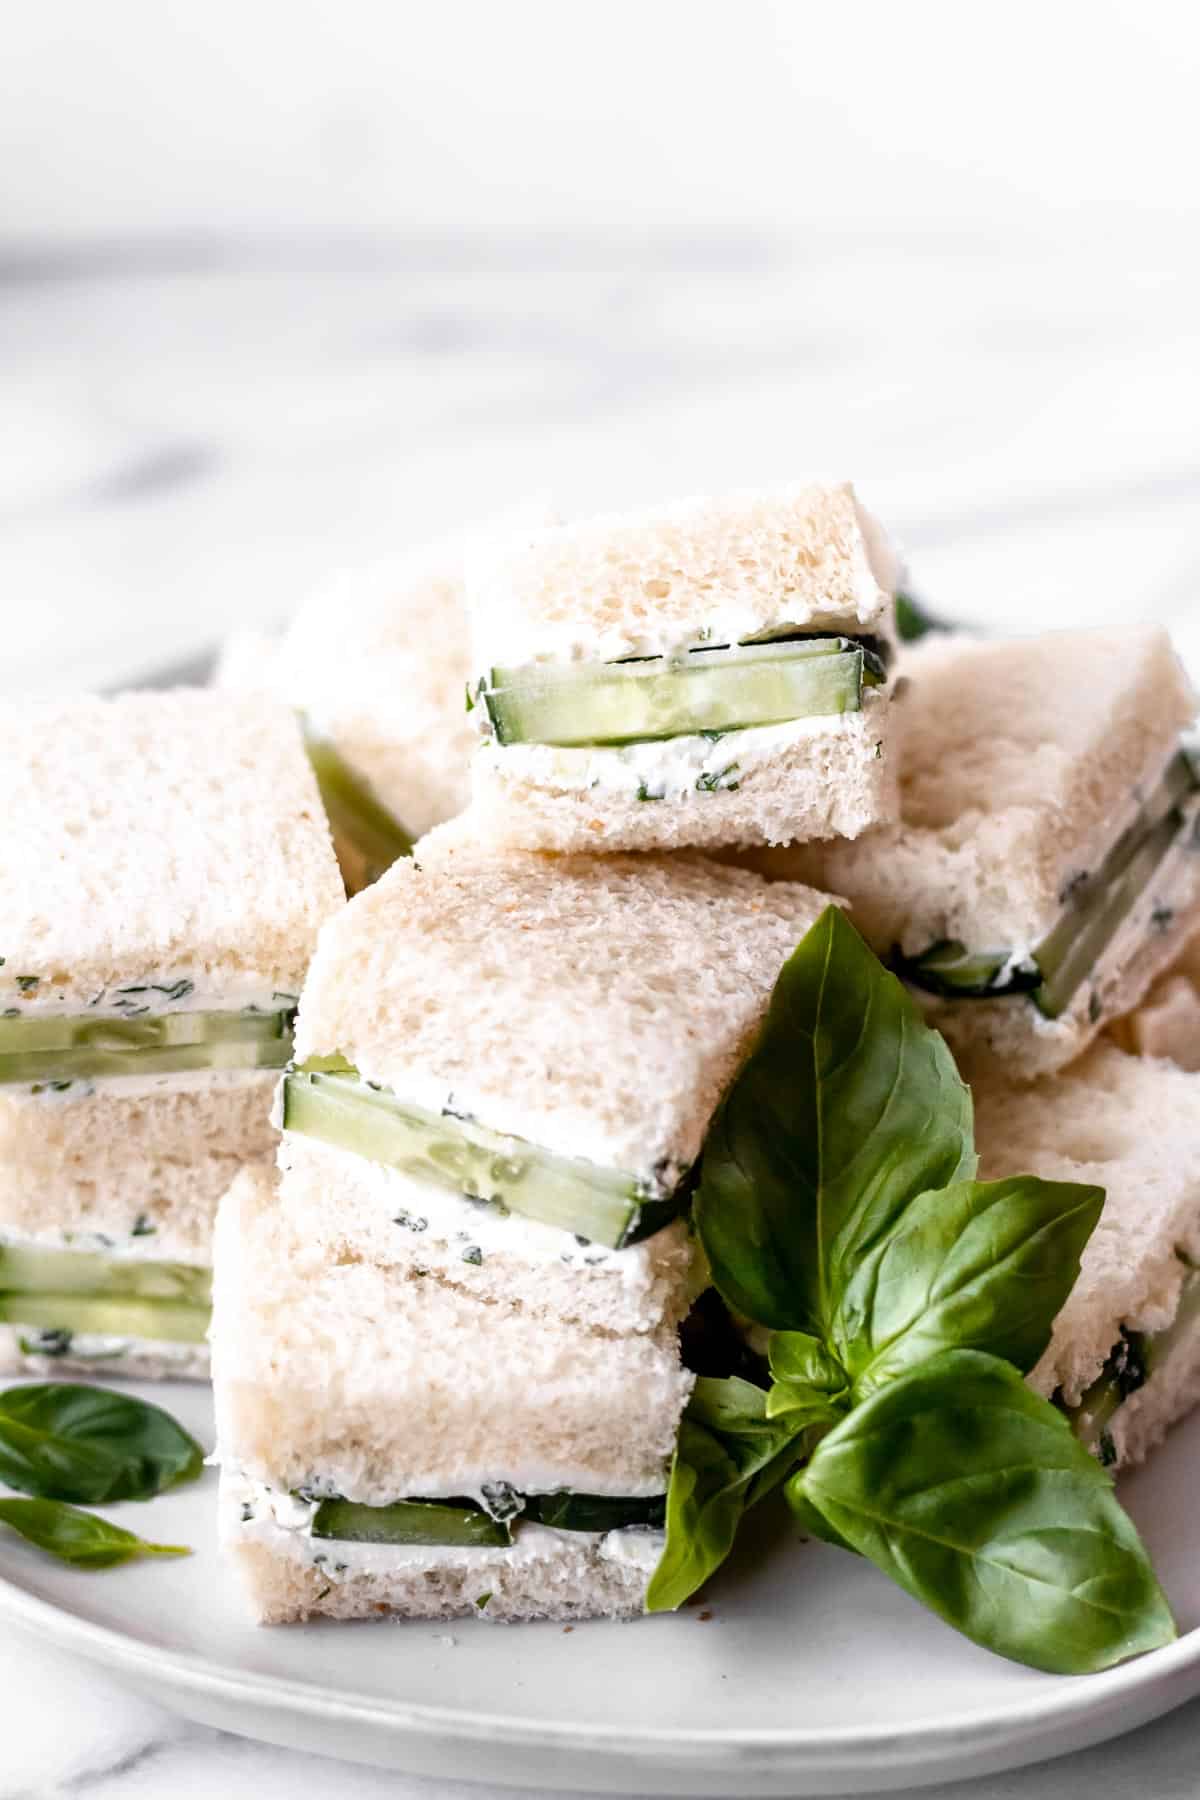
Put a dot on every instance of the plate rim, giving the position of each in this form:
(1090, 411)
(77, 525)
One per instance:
(1066, 1700)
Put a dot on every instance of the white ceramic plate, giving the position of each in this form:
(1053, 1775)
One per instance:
(804, 1672)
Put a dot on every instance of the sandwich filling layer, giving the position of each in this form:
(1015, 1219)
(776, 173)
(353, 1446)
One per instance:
(343, 1536)
(1101, 911)
(57, 1296)
(700, 690)
(146, 1031)
(1136, 1361)
(325, 1098)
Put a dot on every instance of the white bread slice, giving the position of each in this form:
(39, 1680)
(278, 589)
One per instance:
(97, 1163)
(129, 1359)
(1132, 1126)
(1167, 1023)
(336, 1372)
(346, 1205)
(813, 778)
(178, 831)
(596, 1006)
(702, 570)
(379, 664)
(545, 1575)
(1024, 760)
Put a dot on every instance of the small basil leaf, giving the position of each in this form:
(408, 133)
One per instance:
(81, 1538)
(807, 1379)
(847, 1109)
(68, 1441)
(727, 1457)
(972, 1493)
(979, 1266)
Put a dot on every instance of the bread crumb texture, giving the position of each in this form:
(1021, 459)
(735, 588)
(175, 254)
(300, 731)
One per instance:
(1132, 1126)
(596, 1006)
(700, 570)
(433, 1385)
(1022, 760)
(177, 832)
(99, 1162)
(826, 778)
(571, 1579)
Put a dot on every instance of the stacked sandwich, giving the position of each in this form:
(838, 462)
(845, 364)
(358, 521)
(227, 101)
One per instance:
(445, 1350)
(166, 869)
(446, 1353)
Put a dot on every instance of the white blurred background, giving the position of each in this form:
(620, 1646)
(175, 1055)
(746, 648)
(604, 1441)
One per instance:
(287, 286)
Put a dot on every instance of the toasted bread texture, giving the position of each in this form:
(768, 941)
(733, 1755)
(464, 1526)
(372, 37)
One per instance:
(595, 1006)
(804, 556)
(375, 1381)
(1132, 1126)
(176, 833)
(349, 1206)
(100, 1163)
(814, 778)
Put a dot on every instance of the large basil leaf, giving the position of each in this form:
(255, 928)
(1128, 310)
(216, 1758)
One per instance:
(81, 1538)
(727, 1457)
(67, 1441)
(972, 1493)
(978, 1266)
(848, 1108)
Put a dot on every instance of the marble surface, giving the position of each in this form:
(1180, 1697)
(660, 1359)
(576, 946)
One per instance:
(190, 442)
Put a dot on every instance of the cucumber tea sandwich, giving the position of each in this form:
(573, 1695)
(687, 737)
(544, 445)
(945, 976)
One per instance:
(1046, 866)
(446, 1355)
(167, 867)
(708, 673)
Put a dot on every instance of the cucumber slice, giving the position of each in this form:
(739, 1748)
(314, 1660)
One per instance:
(462, 1522)
(1091, 917)
(704, 690)
(409, 1522)
(595, 1512)
(74, 1047)
(606, 1206)
(34, 1269)
(1099, 905)
(948, 968)
(170, 1321)
(356, 818)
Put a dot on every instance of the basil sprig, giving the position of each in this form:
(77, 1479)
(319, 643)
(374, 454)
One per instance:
(729, 1455)
(81, 1538)
(838, 1208)
(68, 1441)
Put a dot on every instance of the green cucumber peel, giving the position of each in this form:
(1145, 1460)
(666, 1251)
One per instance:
(838, 1207)
(465, 1522)
(425, 1522)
